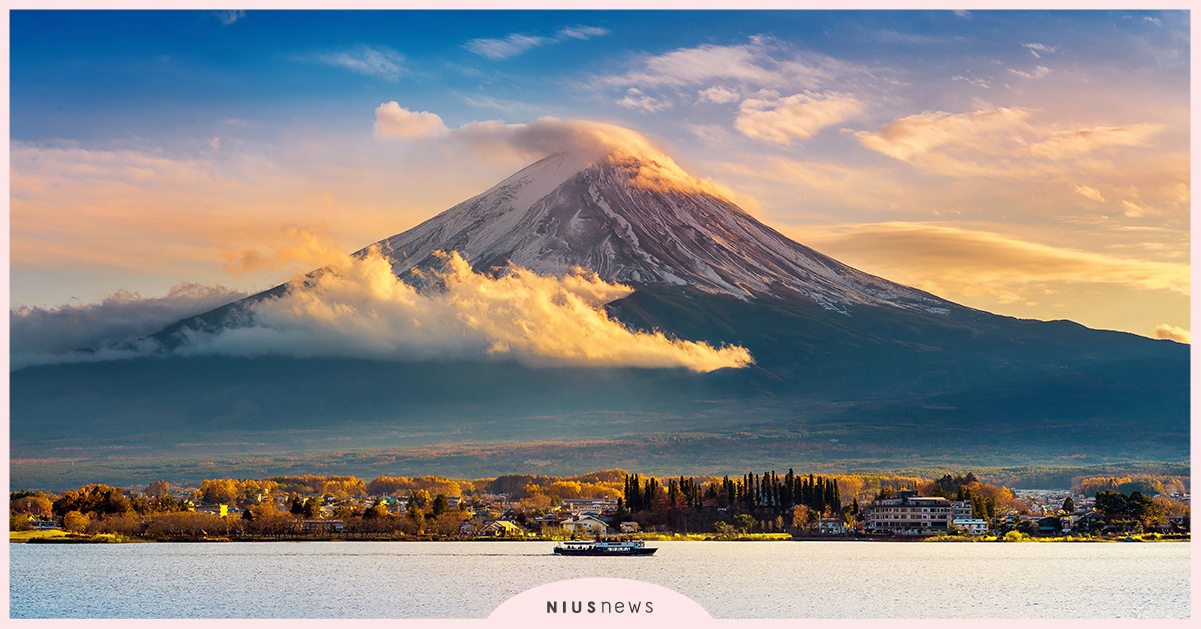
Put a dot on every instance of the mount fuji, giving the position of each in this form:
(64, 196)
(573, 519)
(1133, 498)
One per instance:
(849, 368)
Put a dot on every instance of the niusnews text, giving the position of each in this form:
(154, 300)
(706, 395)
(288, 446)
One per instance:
(600, 607)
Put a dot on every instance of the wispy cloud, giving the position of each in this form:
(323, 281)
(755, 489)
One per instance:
(510, 46)
(1035, 48)
(1038, 73)
(760, 63)
(947, 259)
(718, 94)
(635, 99)
(973, 80)
(800, 116)
(1089, 193)
(967, 15)
(1153, 20)
(582, 32)
(1000, 142)
(1063, 144)
(516, 43)
(378, 61)
(890, 36)
(229, 17)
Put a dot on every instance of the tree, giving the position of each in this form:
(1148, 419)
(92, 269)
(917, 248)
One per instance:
(311, 508)
(158, 489)
(93, 499)
(1068, 505)
(744, 521)
(297, 506)
(377, 510)
(1110, 504)
(801, 515)
(75, 521)
(441, 505)
(32, 505)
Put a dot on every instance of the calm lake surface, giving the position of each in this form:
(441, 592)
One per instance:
(729, 579)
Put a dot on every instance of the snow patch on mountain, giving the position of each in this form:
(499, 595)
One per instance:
(567, 211)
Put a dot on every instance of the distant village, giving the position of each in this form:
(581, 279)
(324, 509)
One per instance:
(610, 503)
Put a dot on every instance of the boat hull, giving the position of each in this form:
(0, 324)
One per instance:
(604, 552)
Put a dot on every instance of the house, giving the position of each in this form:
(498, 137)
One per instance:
(43, 525)
(1086, 521)
(585, 525)
(971, 526)
(219, 510)
(503, 528)
(832, 526)
(628, 527)
(1043, 524)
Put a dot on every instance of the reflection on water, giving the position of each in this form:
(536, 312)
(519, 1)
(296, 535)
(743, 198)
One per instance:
(470, 579)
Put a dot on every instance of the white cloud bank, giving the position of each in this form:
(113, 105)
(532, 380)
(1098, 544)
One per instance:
(356, 307)
(109, 328)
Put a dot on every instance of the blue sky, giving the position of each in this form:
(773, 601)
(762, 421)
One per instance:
(1045, 154)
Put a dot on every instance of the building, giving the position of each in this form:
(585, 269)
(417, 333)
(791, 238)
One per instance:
(628, 527)
(593, 506)
(832, 526)
(221, 510)
(971, 526)
(503, 528)
(1086, 521)
(910, 514)
(585, 525)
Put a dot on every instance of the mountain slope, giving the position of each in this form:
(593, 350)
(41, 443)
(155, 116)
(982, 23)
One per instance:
(601, 218)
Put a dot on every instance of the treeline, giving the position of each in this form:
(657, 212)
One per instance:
(1060, 477)
(1145, 484)
(762, 503)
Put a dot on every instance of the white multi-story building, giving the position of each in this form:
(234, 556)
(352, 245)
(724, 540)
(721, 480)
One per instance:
(971, 526)
(910, 514)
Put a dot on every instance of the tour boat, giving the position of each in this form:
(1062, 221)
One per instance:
(604, 548)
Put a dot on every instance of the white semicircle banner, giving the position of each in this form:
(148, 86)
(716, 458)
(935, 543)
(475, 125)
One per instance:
(602, 601)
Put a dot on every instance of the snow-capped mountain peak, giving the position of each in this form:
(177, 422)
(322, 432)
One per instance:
(640, 221)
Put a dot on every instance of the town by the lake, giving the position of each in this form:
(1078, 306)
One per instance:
(767, 506)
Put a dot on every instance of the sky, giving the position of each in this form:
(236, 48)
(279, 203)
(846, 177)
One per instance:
(1032, 164)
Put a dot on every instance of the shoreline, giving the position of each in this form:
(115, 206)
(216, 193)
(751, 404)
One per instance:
(121, 539)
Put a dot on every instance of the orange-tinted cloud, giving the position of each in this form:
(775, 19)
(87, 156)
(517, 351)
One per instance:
(1001, 142)
(588, 141)
(796, 117)
(357, 307)
(1173, 333)
(945, 259)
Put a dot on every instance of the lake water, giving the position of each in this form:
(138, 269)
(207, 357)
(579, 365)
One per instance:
(728, 579)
